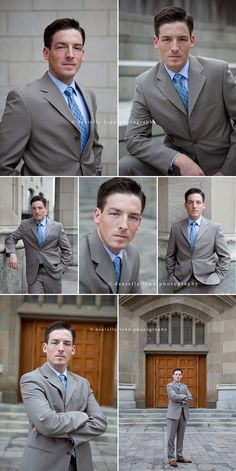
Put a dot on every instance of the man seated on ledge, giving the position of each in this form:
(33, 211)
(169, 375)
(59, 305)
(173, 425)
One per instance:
(197, 258)
(107, 262)
(193, 99)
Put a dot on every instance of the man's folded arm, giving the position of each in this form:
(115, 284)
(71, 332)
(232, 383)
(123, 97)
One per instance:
(47, 421)
(173, 396)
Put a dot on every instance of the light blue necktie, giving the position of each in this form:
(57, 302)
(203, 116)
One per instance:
(178, 81)
(78, 117)
(63, 379)
(40, 236)
(193, 234)
(117, 265)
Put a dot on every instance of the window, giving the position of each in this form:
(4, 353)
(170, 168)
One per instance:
(188, 335)
(176, 328)
(152, 332)
(164, 330)
(200, 333)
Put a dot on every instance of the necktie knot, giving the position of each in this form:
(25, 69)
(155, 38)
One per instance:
(69, 91)
(178, 81)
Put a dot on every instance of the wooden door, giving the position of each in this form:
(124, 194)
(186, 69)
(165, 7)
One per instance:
(159, 373)
(94, 358)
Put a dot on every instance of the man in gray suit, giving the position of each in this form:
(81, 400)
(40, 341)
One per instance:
(107, 262)
(177, 416)
(197, 258)
(50, 123)
(61, 408)
(193, 99)
(47, 249)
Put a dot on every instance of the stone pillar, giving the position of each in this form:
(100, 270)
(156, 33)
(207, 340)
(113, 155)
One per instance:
(226, 396)
(126, 396)
(66, 210)
(11, 281)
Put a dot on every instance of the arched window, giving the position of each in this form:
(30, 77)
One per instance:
(152, 332)
(175, 328)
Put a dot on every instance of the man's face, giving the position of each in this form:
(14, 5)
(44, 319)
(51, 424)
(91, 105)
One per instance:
(177, 376)
(39, 211)
(66, 54)
(59, 349)
(174, 43)
(194, 206)
(119, 221)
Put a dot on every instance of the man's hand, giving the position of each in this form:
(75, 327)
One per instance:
(187, 166)
(218, 174)
(13, 262)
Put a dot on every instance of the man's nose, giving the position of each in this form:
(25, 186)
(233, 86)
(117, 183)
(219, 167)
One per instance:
(124, 222)
(60, 346)
(174, 45)
(69, 51)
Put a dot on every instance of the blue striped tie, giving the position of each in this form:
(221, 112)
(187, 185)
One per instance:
(78, 117)
(181, 89)
(117, 265)
(63, 379)
(193, 234)
(40, 234)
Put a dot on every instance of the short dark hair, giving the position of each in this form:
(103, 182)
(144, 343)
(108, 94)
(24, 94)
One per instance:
(119, 185)
(171, 15)
(191, 191)
(177, 369)
(58, 325)
(58, 25)
(39, 198)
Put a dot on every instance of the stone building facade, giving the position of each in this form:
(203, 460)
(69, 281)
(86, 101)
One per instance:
(195, 333)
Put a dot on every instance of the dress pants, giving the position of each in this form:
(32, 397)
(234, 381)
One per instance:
(175, 428)
(44, 283)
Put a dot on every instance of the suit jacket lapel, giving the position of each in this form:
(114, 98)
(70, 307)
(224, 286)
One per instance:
(104, 264)
(33, 228)
(53, 379)
(196, 81)
(184, 229)
(72, 385)
(166, 86)
(49, 228)
(202, 229)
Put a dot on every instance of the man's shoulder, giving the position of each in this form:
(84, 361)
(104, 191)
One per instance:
(209, 62)
(131, 251)
(149, 73)
(31, 375)
(78, 378)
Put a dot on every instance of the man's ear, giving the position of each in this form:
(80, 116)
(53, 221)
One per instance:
(156, 42)
(45, 347)
(96, 215)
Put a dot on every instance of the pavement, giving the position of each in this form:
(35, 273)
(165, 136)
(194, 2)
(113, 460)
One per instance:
(11, 451)
(70, 281)
(143, 448)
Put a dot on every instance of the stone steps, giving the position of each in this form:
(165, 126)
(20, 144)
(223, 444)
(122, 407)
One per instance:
(157, 417)
(14, 422)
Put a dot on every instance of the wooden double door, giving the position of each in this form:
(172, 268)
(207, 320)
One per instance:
(159, 370)
(94, 358)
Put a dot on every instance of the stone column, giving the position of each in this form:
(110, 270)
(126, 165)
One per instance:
(66, 210)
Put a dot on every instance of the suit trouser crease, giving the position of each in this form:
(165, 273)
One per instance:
(176, 428)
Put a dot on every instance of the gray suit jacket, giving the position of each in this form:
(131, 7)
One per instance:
(52, 412)
(38, 127)
(205, 133)
(55, 254)
(178, 400)
(96, 271)
(209, 261)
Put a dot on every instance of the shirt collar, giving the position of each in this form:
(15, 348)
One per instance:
(184, 71)
(57, 372)
(198, 221)
(43, 222)
(112, 255)
(61, 85)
